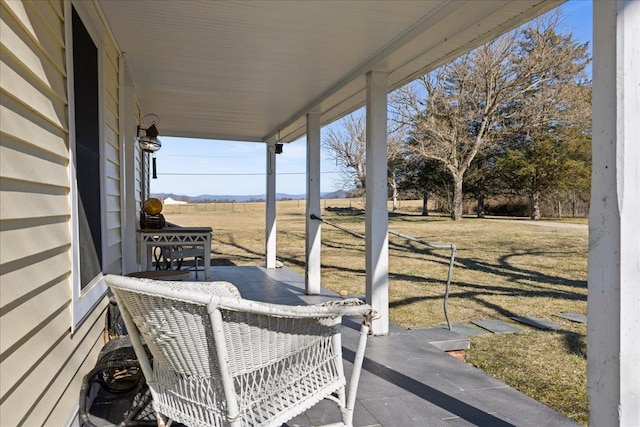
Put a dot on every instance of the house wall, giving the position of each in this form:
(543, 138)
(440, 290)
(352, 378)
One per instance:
(41, 361)
(111, 67)
(131, 172)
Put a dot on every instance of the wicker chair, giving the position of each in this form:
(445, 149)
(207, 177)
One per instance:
(220, 360)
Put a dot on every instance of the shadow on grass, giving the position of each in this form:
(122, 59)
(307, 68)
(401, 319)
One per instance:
(503, 268)
(477, 297)
(251, 255)
(417, 211)
(345, 211)
(538, 285)
(575, 343)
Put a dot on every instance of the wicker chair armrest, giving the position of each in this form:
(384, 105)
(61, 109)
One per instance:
(350, 307)
(354, 307)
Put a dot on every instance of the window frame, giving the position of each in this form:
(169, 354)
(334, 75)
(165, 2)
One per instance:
(84, 300)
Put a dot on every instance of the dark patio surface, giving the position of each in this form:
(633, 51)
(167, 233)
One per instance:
(405, 381)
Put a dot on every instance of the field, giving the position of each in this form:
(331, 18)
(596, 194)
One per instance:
(503, 268)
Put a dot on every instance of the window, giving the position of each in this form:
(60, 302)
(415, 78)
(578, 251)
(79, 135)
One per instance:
(86, 167)
(87, 159)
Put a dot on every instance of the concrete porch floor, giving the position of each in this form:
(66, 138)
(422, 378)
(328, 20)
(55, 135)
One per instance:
(405, 380)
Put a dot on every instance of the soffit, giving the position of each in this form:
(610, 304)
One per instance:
(251, 70)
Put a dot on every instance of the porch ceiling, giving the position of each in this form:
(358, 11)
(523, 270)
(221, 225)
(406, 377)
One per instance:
(251, 70)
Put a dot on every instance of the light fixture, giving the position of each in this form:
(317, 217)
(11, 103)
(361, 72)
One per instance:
(148, 136)
(278, 145)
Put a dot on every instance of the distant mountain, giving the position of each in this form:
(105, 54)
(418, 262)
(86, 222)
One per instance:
(225, 198)
(163, 196)
(340, 194)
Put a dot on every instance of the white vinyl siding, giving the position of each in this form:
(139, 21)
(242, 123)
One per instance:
(112, 169)
(42, 363)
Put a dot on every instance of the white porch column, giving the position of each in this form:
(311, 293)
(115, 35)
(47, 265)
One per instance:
(313, 227)
(377, 237)
(270, 223)
(613, 367)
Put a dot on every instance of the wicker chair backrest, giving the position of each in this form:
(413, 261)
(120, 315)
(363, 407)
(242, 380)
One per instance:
(177, 328)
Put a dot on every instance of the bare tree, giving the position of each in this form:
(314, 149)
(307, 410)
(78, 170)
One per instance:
(395, 163)
(483, 96)
(346, 141)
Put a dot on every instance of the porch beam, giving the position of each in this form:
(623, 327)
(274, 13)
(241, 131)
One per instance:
(270, 223)
(313, 235)
(613, 359)
(376, 217)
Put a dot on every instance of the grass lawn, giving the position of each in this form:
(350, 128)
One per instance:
(503, 268)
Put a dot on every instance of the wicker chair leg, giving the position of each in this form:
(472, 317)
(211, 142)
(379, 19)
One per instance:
(355, 375)
(163, 421)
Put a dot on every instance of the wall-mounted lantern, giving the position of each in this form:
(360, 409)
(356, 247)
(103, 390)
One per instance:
(148, 135)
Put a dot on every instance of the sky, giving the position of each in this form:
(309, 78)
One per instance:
(193, 167)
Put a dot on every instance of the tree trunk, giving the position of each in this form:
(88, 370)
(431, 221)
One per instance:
(535, 205)
(559, 209)
(480, 210)
(456, 208)
(425, 201)
(394, 200)
(394, 188)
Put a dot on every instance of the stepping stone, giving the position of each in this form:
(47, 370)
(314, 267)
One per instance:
(464, 329)
(538, 322)
(496, 326)
(574, 317)
(443, 339)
